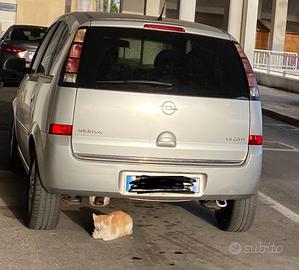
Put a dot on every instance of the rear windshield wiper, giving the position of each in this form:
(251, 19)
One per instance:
(136, 82)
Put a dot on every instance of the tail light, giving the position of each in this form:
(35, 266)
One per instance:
(72, 64)
(10, 49)
(255, 140)
(164, 27)
(61, 129)
(252, 84)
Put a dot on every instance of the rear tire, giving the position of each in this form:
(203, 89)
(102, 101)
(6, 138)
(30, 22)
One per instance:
(238, 215)
(43, 207)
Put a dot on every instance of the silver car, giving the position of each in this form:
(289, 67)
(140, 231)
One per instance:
(134, 107)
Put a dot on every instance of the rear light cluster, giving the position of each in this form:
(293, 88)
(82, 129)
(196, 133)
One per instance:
(252, 84)
(73, 60)
(61, 129)
(255, 140)
(10, 49)
(164, 27)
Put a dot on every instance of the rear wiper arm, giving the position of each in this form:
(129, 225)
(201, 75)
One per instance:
(136, 82)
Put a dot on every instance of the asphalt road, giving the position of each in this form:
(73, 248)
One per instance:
(166, 236)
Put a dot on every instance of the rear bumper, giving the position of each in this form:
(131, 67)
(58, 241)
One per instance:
(61, 172)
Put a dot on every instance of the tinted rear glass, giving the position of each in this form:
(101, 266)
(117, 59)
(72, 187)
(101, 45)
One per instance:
(149, 61)
(28, 34)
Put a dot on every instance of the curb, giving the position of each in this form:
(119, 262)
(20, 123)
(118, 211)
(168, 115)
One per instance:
(281, 117)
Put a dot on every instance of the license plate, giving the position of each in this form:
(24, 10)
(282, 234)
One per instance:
(192, 186)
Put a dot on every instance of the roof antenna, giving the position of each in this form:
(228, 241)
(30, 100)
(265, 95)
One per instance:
(160, 17)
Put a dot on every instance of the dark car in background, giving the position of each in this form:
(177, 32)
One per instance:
(19, 41)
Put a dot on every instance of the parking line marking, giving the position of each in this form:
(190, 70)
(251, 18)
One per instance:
(277, 125)
(282, 143)
(279, 207)
(288, 127)
(287, 145)
(291, 148)
(282, 150)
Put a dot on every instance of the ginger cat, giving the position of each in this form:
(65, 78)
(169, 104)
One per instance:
(109, 227)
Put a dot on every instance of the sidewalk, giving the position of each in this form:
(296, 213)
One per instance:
(281, 105)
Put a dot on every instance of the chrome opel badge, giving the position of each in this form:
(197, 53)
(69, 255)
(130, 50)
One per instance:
(169, 108)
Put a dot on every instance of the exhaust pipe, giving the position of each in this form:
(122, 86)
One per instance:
(221, 204)
(99, 201)
(215, 205)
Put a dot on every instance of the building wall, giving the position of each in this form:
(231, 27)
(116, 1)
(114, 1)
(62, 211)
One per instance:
(172, 13)
(291, 42)
(7, 14)
(39, 12)
(293, 10)
(81, 5)
(215, 20)
(133, 7)
(262, 40)
(211, 12)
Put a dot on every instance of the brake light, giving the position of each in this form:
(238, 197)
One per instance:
(72, 65)
(73, 60)
(9, 49)
(76, 50)
(251, 80)
(164, 27)
(255, 140)
(60, 129)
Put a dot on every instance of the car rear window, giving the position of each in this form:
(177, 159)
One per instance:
(28, 34)
(160, 62)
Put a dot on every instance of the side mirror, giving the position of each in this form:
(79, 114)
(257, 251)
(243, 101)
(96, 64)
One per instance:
(17, 65)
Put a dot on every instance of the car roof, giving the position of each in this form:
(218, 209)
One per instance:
(26, 26)
(84, 17)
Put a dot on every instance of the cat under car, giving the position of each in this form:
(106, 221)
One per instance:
(109, 227)
(106, 227)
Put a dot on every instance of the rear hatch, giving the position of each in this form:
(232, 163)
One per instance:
(159, 97)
